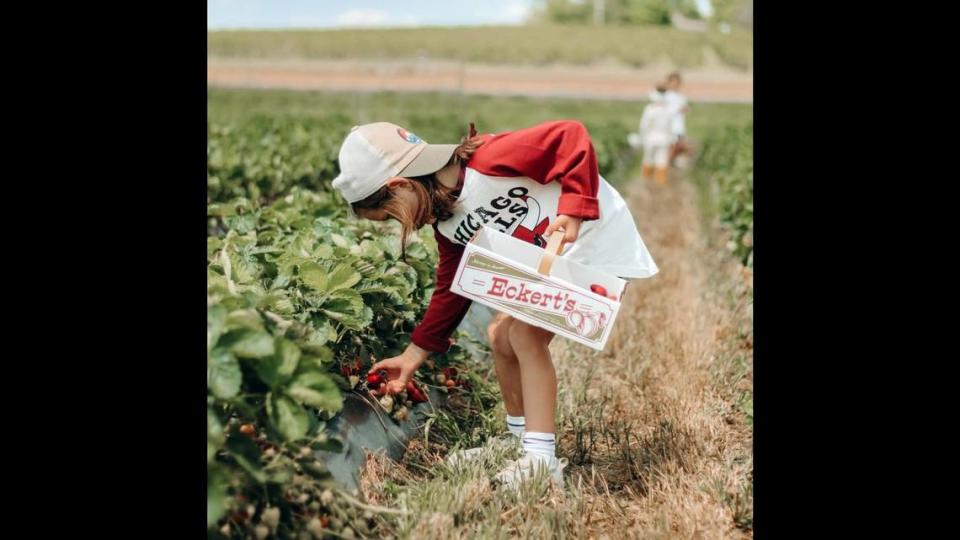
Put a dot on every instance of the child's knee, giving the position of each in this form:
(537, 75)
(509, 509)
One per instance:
(498, 336)
(525, 336)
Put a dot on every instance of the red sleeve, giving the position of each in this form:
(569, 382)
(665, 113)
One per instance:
(560, 150)
(446, 309)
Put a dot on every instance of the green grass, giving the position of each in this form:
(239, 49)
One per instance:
(443, 118)
(537, 44)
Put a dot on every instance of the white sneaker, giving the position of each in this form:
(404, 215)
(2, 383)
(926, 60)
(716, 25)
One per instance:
(504, 443)
(530, 465)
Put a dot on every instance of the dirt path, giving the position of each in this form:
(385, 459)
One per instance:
(655, 428)
(709, 83)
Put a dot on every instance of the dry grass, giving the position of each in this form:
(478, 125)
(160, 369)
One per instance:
(656, 428)
(537, 44)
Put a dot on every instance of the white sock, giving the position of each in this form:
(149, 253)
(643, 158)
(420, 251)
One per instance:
(541, 444)
(516, 425)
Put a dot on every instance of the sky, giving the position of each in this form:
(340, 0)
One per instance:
(362, 13)
(223, 14)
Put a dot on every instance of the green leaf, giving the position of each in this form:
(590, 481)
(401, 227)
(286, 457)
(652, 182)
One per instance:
(287, 417)
(315, 469)
(214, 434)
(275, 369)
(216, 495)
(223, 374)
(247, 455)
(253, 345)
(244, 318)
(323, 251)
(321, 332)
(343, 276)
(280, 477)
(339, 240)
(277, 302)
(371, 250)
(316, 389)
(314, 276)
(216, 320)
(289, 355)
(330, 445)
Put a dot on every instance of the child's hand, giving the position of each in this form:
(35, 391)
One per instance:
(400, 369)
(570, 226)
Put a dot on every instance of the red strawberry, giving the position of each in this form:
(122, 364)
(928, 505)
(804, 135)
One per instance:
(599, 289)
(414, 393)
(248, 430)
(450, 383)
(374, 380)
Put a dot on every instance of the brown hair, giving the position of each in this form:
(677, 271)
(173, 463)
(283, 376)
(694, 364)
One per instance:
(435, 199)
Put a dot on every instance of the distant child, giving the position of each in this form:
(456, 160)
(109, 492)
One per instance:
(678, 103)
(656, 135)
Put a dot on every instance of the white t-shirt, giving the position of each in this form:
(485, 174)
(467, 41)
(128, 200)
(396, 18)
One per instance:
(677, 103)
(524, 208)
(656, 124)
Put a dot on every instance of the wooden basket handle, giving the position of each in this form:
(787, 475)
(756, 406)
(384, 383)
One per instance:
(553, 249)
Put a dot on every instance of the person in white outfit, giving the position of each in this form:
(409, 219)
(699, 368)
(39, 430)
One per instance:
(656, 135)
(678, 103)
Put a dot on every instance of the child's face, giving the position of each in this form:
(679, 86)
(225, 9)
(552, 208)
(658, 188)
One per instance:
(673, 84)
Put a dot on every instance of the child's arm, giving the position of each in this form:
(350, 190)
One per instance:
(552, 151)
(446, 309)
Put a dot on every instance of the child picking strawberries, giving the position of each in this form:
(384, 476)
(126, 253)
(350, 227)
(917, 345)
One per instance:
(530, 184)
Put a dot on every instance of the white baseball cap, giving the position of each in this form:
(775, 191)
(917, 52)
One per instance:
(373, 153)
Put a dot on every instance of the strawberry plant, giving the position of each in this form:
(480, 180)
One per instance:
(262, 157)
(726, 167)
(299, 299)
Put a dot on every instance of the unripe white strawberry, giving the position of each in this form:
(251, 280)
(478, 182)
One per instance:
(271, 517)
(315, 528)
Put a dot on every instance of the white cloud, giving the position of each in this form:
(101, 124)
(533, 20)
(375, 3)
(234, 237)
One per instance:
(516, 12)
(705, 7)
(373, 17)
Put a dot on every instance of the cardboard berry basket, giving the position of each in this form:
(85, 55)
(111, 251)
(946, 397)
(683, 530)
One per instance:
(539, 286)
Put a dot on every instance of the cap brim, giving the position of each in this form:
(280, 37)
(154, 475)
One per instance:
(433, 158)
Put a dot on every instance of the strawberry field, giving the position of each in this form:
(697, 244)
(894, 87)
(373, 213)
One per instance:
(301, 298)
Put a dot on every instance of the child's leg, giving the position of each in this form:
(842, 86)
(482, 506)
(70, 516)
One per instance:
(537, 375)
(505, 363)
(647, 161)
(661, 163)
